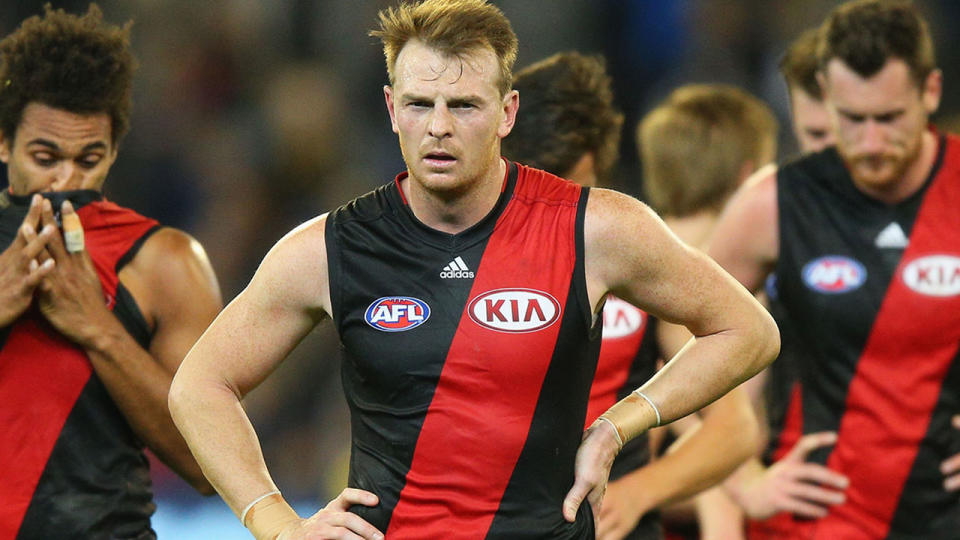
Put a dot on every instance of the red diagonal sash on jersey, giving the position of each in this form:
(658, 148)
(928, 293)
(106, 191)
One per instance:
(41, 375)
(480, 415)
(898, 380)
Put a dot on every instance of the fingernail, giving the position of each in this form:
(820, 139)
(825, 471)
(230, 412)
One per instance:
(67, 206)
(48, 263)
(35, 199)
(34, 265)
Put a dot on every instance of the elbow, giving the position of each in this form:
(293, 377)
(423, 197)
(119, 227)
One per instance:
(203, 487)
(767, 343)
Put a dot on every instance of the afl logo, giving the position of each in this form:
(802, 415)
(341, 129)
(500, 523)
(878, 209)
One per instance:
(834, 274)
(397, 313)
(620, 319)
(514, 311)
(934, 275)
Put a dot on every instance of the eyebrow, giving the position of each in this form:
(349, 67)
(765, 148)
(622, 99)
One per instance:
(849, 113)
(453, 99)
(99, 145)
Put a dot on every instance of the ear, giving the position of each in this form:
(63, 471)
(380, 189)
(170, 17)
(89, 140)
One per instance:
(6, 148)
(822, 81)
(388, 98)
(510, 103)
(932, 91)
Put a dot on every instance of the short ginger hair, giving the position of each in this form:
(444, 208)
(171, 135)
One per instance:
(452, 27)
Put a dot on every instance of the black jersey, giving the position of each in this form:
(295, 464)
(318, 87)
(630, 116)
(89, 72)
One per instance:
(873, 293)
(72, 466)
(468, 361)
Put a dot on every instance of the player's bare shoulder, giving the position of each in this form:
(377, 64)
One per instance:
(294, 271)
(169, 271)
(748, 228)
(624, 241)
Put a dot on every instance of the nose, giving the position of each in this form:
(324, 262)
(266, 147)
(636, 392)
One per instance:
(872, 137)
(66, 175)
(441, 122)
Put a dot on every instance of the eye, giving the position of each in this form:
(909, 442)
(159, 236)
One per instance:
(90, 161)
(44, 159)
(888, 117)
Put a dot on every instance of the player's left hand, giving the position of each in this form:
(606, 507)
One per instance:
(70, 296)
(620, 513)
(592, 468)
(951, 466)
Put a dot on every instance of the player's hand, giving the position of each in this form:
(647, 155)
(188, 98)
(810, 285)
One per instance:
(335, 522)
(795, 486)
(592, 468)
(70, 295)
(951, 466)
(20, 269)
(620, 512)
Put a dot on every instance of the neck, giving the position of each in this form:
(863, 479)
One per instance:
(455, 212)
(913, 177)
(693, 229)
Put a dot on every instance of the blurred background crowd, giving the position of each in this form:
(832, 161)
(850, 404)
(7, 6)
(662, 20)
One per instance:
(251, 116)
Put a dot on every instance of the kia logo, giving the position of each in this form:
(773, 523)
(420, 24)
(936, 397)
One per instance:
(514, 310)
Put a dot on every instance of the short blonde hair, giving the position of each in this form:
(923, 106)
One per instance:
(453, 27)
(694, 144)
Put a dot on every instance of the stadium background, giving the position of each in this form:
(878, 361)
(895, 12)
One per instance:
(252, 116)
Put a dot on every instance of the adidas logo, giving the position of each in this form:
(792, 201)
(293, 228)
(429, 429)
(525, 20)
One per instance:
(892, 236)
(457, 269)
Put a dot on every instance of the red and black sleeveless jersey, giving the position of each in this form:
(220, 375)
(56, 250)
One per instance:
(468, 360)
(72, 466)
(628, 358)
(873, 291)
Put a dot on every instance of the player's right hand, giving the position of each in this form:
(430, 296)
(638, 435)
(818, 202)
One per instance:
(20, 271)
(335, 522)
(795, 486)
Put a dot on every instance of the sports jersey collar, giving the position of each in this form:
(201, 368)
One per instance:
(443, 240)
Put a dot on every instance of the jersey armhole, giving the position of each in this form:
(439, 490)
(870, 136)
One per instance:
(333, 269)
(580, 272)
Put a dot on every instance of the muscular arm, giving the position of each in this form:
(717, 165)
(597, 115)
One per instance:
(632, 254)
(283, 302)
(286, 298)
(174, 285)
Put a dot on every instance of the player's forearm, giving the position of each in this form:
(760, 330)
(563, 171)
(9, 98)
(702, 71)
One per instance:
(139, 386)
(211, 418)
(718, 516)
(737, 484)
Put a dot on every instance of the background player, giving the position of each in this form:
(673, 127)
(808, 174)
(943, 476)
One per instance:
(421, 404)
(90, 339)
(852, 233)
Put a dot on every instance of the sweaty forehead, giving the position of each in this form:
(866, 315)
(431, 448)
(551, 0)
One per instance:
(418, 64)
